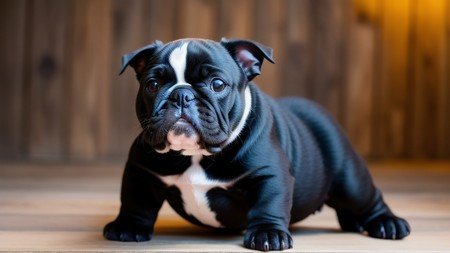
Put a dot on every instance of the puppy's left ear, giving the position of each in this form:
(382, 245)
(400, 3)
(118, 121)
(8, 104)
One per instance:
(138, 58)
(249, 55)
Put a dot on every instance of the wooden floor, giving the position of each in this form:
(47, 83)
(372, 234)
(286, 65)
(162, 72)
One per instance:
(60, 207)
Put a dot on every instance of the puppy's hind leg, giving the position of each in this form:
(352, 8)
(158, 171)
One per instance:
(360, 206)
(378, 222)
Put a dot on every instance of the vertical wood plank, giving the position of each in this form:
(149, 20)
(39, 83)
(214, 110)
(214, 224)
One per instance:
(270, 25)
(12, 46)
(428, 78)
(198, 19)
(361, 74)
(88, 78)
(444, 133)
(390, 93)
(443, 95)
(298, 72)
(329, 50)
(45, 89)
(129, 33)
(159, 20)
(236, 18)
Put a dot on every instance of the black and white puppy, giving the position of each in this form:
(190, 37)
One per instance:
(226, 155)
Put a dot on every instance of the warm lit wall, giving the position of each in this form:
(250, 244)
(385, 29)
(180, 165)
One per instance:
(380, 67)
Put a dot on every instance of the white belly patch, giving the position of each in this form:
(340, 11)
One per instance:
(193, 185)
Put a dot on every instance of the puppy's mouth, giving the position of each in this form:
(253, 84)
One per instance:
(184, 137)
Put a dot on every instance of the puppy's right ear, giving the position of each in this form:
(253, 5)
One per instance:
(138, 58)
(248, 54)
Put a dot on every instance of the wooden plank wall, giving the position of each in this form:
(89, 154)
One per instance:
(379, 66)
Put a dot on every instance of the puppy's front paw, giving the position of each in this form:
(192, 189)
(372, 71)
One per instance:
(388, 227)
(117, 231)
(268, 239)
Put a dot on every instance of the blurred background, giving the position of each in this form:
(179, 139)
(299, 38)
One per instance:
(379, 66)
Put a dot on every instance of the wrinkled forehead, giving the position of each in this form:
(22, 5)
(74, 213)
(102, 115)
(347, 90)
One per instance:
(184, 56)
(194, 51)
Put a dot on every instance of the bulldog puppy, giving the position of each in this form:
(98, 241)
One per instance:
(227, 156)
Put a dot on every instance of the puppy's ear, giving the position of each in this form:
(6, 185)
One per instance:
(248, 54)
(138, 58)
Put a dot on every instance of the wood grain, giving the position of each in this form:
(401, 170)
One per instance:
(298, 76)
(197, 19)
(391, 92)
(90, 33)
(63, 208)
(361, 75)
(380, 67)
(427, 77)
(444, 134)
(12, 67)
(269, 29)
(236, 19)
(44, 93)
(330, 55)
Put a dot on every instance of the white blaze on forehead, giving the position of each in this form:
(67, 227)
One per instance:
(177, 60)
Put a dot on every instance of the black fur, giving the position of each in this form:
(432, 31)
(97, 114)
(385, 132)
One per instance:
(289, 160)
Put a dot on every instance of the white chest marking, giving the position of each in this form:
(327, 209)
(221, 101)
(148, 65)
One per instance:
(247, 108)
(193, 185)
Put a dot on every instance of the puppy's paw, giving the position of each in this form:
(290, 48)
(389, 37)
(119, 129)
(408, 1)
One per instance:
(388, 226)
(268, 239)
(117, 231)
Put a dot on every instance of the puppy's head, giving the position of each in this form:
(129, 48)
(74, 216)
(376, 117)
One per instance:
(193, 94)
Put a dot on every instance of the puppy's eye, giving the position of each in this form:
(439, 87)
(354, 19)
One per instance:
(217, 85)
(152, 85)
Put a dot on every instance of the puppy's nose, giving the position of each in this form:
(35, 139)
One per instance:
(182, 97)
